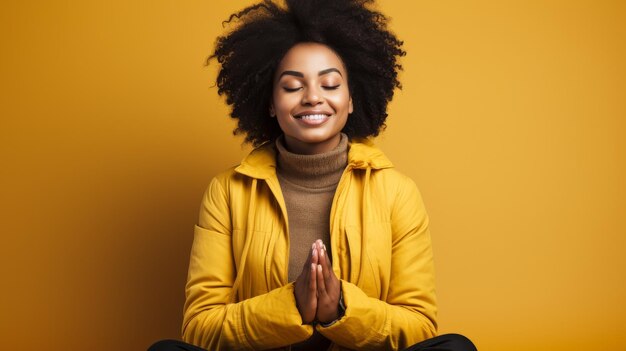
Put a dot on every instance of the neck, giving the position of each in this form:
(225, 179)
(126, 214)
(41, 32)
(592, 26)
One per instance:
(312, 171)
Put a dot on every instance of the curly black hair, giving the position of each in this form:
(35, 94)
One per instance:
(264, 32)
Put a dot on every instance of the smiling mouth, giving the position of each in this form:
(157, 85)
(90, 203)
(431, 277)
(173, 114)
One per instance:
(312, 120)
(315, 117)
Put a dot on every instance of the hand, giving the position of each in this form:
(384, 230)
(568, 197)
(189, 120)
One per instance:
(328, 287)
(305, 288)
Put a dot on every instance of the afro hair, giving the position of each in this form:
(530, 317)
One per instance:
(263, 33)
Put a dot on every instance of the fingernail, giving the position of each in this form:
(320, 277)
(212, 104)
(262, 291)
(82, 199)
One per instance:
(313, 266)
(313, 246)
(322, 252)
(319, 267)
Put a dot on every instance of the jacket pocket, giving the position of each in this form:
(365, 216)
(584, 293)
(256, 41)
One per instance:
(369, 267)
(258, 262)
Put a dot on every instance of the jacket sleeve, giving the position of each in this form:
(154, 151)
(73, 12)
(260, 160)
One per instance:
(407, 316)
(210, 321)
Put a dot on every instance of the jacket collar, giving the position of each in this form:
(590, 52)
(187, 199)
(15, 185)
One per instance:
(362, 154)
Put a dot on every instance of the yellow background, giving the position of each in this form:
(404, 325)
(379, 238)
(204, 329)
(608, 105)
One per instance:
(511, 121)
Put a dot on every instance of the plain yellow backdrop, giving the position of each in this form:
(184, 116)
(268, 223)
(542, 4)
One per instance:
(511, 121)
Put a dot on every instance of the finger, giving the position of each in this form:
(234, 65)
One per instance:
(321, 285)
(313, 281)
(331, 286)
(308, 260)
(306, 269)
(325, 263)
(306, 266)
(320, 244)
(327, 257)
(315, 255)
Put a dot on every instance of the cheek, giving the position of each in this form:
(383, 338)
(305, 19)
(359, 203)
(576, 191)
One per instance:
(284, 103)
(341, 101)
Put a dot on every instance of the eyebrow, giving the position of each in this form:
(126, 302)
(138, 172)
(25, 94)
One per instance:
(301, 75)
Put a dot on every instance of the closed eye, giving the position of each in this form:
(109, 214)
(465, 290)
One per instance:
(291, 90)
(331, 87)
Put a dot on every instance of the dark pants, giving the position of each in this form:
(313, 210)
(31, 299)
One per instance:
(447, 342)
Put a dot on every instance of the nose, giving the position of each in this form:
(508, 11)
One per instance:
(312, 97)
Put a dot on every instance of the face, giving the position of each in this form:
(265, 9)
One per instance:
(311, 99)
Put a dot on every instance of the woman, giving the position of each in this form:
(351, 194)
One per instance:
(314, 241)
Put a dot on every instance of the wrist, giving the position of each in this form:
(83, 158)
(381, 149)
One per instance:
(341, 311)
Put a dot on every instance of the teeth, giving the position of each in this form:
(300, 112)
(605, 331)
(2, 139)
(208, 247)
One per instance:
(313, 117)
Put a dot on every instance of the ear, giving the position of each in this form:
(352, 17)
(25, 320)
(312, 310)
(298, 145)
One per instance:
(272, 111)
(350, 108)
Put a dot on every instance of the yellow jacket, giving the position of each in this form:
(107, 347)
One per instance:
(237, 292)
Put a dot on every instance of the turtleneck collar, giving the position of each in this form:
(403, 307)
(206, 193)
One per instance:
(312, 171)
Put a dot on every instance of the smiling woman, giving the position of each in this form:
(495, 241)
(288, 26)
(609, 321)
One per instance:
(314, 241)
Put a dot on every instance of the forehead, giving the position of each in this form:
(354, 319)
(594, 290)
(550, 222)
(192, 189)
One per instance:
(310, 58)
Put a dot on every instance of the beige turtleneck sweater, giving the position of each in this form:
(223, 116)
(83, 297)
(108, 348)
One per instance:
(308, 183)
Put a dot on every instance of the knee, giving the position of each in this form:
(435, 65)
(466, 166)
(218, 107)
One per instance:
(164, 345)
(459, 342)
